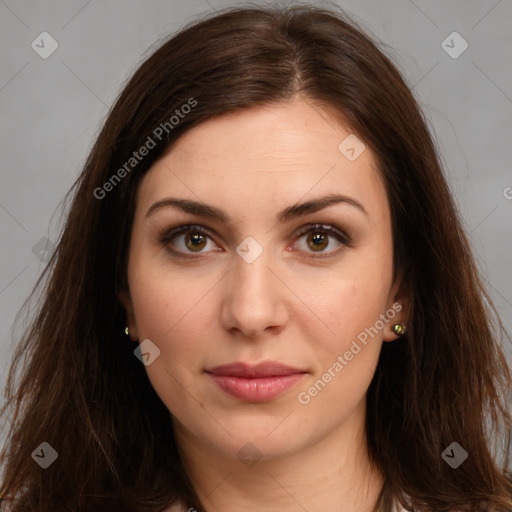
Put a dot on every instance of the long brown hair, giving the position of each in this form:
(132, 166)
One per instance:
(82, 391)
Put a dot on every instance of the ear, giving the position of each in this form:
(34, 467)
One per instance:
(398, 309)
(126, 301)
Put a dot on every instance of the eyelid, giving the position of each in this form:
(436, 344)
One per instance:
(330, 229)
(169, 234)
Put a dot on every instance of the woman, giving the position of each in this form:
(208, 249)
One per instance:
(263, 298)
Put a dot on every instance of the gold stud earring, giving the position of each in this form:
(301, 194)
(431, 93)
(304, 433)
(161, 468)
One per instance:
(126, 331)
(398, 329)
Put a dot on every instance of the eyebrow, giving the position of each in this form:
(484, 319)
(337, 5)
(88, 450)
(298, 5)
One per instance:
(212, 212)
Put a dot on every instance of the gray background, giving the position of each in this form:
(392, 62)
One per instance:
(52, 108)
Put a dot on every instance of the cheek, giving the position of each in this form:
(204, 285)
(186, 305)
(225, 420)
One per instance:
(165, 298)
(348, 352)
(347, 302)
(174, 310)
(173, 313)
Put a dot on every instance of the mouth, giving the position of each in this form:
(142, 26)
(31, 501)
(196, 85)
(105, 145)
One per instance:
(255, 383)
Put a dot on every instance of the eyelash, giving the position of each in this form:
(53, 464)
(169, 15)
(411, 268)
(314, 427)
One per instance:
(340, 236)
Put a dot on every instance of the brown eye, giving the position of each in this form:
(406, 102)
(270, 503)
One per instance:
(318, 237)
(195, 241)
(317, 241)
(188, 239)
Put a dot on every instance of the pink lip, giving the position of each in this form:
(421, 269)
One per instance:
(255, 383)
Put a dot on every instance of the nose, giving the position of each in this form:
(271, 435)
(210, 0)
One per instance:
(254, 300)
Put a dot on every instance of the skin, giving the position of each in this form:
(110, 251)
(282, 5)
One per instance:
(285, 306)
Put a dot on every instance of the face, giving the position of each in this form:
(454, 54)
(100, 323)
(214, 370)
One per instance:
(247, 276)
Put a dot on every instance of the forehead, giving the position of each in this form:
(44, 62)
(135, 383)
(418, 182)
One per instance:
(265, 158)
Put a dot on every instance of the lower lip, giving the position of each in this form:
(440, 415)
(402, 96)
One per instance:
(257, 389)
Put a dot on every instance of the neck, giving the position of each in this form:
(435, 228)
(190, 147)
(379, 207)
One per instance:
(332, 473)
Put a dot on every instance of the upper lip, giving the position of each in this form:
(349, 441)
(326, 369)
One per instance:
(265, 369)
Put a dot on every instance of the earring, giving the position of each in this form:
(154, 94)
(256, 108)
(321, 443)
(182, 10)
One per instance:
(126, 331)
(398, 329)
